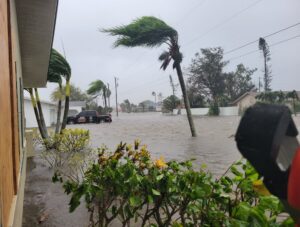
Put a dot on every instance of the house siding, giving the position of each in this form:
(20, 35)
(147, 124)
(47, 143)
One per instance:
(9, 146)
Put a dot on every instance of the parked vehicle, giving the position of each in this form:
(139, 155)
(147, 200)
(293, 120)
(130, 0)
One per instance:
(89, 116)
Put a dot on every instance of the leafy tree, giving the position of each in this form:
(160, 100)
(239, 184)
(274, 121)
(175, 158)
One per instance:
(206, 74)
(239, 82)
(170, 103)
(76, 94)
(263, 46)
(274, 97)
(293, 95)
(152, 32)
(60, 66)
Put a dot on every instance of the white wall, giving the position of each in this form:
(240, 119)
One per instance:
(224, 111)
(49, 111)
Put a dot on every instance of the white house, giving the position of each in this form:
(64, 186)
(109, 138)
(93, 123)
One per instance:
(49, 111)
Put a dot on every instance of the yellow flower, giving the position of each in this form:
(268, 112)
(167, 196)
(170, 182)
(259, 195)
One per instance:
(260, 188)
(160, 163)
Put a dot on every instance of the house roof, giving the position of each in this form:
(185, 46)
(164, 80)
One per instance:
(42, 101)
(78, 103)
(252, 93)
(36, 23)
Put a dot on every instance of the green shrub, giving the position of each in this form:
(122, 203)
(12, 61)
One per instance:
(64, 149)
(129, 186)
(214, 110)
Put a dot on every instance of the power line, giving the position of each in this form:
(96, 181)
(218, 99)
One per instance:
(274, 44)
(223, 22)
(267, 36)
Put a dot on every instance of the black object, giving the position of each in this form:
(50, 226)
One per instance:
(261, 137)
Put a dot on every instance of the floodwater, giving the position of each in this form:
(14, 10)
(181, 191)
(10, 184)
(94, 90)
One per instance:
(170, 137)
(166, 136)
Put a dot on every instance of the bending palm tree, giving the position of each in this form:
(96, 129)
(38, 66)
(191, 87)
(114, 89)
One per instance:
(59, 65)
(152, 32)
(56, 78)
(97, 88)
(41, 115)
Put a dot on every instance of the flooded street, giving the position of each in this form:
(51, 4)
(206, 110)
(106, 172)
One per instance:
(169, 136)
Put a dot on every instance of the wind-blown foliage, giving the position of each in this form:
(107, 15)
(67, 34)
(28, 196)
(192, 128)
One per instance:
(58, 65)
(145, 31)
(153, 32)
(263, 46)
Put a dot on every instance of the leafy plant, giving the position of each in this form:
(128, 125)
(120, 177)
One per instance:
(127, 186)
(66, 150)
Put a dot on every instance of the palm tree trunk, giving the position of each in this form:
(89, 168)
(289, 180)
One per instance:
(66, 110)
(39, 106)
(58, 111)
(36, 113)
(186, 100)
(105, 101)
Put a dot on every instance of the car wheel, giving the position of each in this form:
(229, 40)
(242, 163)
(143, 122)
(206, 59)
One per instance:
(102, 120)
(71, 122)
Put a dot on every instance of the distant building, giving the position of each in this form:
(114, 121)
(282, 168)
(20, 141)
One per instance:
(244, 101)
(249, 98)
(76, 107)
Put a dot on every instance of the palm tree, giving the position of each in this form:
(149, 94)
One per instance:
(154, 94)
(56, 78)
(96, 89)
(41, 115)
(59, 65)
(36, 112)
(152, 32)
(263, 46)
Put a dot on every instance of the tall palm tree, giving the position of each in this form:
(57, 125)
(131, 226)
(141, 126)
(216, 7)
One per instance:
(152, 32)
(56, 78)
(263, 46)
(59, 65)
(98, 88)
(41, 115)
(36, 112)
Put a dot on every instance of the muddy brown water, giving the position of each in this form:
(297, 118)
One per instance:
(166, 136)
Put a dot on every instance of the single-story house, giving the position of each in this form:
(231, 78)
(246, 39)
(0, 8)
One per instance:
(26, 36)
(244, 101)
(76, 107)
(49, 112)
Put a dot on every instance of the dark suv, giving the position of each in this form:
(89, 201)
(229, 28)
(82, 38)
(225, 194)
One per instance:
(89, 116)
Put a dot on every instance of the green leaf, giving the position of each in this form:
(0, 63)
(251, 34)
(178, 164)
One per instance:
(288, 223)
(235, 171)
(155, 192)
(159, 177)
(150, 199)
(134, 201)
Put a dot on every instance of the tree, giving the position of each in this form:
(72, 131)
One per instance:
(59, 65)
(36, 112)
(98, 88)
(206, 74)
(56, 78)
(152, 32)
(239, 82)
(170, 103)
(76, 94)
(154, 94)
(263, 46)
(294, 96)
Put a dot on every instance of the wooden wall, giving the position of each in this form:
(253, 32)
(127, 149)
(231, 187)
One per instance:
(9, 134)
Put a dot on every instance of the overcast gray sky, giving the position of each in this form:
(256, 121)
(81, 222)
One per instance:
(200, 24)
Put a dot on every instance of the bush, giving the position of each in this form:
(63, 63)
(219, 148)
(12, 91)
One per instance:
(65, 149)
(127, 185)
(214, 110)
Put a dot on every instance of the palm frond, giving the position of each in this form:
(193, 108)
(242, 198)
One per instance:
(95, 87)
(59, 65)
(145, 31)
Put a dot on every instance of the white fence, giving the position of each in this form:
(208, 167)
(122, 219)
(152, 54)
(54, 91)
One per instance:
(224, 111)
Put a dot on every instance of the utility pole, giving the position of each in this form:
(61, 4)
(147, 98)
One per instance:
(116, 88)
(259, 84)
